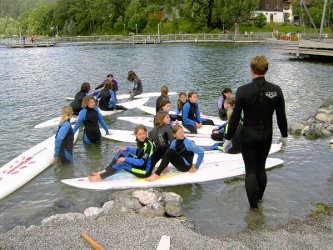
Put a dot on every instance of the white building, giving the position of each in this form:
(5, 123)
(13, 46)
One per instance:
(276, 11)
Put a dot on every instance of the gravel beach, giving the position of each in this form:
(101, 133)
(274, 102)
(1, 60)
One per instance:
(128, 230)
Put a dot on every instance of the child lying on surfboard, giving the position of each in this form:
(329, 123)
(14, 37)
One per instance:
(136, 161)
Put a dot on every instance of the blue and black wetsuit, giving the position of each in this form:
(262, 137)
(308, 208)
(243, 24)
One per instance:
(137, 161)
(180, 154)
(107, 100)
(90, 118)
(235, 141)
(64, 140)
(77, 103)
(191, 116)
(161, 137)
(258, 101)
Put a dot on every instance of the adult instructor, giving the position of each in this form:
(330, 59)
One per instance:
(257, 100)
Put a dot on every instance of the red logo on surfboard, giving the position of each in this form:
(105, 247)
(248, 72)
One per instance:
(14, 169)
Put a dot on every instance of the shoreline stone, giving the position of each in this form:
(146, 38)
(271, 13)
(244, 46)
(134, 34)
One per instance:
(318, 126)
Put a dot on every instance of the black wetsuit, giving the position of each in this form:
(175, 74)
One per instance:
(159, 100)
(161, 137)
(137, 89)
(77, 103)
(258, 100)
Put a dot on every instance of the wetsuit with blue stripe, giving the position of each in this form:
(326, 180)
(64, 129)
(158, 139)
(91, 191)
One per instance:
(64, 140)
(90, 118)
(137, 161)
(258, 101)
(191, 116)
(107, 100)
(180, 154)
(235, 141)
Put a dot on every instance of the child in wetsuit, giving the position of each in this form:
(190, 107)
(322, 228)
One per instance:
(226, 93)
(64, 138)
(180, 154)
(191, 114)
(218, 133)
(137, 89)
(90, 116)
(161, 135)
(76, 104)
(136, 161)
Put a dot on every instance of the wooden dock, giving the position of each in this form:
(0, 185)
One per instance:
(308, 49)
(30, 45)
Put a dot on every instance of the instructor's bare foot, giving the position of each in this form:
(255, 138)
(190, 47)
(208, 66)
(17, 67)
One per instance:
(153, 177)
(94, 178)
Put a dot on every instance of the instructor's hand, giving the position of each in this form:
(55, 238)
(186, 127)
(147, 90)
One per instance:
(284, 141)
(226, 145)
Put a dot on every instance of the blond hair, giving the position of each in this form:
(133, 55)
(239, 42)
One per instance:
(176, 128)
(86, 100)
(229, 113)
(65, 111)
(259, 65)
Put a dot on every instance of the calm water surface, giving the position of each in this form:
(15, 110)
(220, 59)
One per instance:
(34, 83)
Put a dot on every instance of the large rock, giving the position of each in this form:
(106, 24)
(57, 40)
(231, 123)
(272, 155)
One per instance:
(145, 197)
(152, 210)
(172, 198)
(173, 210)
(323, 117)
(314, 132)
(297, 128)
(92, 212)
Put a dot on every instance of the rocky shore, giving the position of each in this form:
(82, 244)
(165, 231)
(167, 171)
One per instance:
(137, 219)
(318, 126)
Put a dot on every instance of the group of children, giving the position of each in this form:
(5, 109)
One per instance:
(166, 141)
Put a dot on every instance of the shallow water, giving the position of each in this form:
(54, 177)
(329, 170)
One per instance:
(34, 83)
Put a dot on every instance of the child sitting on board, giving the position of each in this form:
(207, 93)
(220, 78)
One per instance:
(161, 135)
(164, 96)
(191, 114)
(235, 146)
(64, 138)
(136, 161)
(180, 154)
(180, 103)
(226, 93)
(218, 133)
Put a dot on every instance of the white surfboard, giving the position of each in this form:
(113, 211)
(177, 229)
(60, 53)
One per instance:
(149, 122)
(26, 166)
(126, 96)
(206, 172)
(129, 105)
(128, 136)
(331, 143)
(151, 110)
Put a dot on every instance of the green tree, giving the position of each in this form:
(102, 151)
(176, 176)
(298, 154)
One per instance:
(238, 11)
(135, 16)
(260, 20)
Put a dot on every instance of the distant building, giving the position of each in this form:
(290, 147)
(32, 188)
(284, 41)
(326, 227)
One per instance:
(276, 11)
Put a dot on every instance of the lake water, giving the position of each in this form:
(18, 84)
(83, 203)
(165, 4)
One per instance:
(34, 83)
